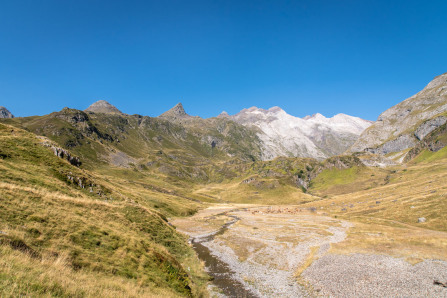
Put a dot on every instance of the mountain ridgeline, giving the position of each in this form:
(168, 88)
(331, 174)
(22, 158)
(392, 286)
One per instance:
(88, 196)
(312, 136)
(408, 123)
(102, 133)
(178, 142)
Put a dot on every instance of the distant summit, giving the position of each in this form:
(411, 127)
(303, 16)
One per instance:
(177, 112)
(4, 113)
(317, 116)
(313, 136)
(102, 106)
(223, 115)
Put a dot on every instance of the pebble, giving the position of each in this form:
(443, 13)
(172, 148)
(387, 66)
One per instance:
(363, 275)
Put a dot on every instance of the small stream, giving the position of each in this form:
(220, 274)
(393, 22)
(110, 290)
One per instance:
(223, 276)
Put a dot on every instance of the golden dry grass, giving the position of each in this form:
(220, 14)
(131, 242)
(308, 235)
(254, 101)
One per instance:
(235, 191)
(60, 239)
(23, 275)
(386, 217)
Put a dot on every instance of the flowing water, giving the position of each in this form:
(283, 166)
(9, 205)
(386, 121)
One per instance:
(223, 276)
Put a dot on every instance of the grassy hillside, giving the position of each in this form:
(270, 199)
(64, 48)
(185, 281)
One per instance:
(102, 228)
(70, 232)
(134, 140)
(341, 181)
(387, 216)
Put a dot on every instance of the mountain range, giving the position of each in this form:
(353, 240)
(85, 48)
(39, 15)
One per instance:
(88, 197)
(266, 134)
(281, 134)
(313, 136)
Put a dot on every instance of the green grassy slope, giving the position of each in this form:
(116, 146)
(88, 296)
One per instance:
(95, 137)
(99, 237)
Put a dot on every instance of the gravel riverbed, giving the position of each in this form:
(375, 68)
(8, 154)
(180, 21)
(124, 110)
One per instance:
(362, 275)
(286, 254)
(272, 252)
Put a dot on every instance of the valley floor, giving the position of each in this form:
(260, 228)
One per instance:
(289, 251)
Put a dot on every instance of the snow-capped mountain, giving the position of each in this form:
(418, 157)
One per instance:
(312, 136)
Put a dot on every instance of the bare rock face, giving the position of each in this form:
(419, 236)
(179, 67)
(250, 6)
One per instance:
(433, 141)
(403, 125)
(313, 136)
(376, 160)
(429, 126)
(4, 113)
(102, 106)
(400, 143)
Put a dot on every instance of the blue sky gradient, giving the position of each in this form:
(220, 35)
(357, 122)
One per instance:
(353, 57)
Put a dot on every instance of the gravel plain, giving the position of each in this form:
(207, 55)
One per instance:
(271, 250)
(362, 275)
(265, 250)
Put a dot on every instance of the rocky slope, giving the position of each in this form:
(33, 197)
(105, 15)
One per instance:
(407, 123)
(4, 113)
(313, 136)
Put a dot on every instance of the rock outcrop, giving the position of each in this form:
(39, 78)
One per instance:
(400, 143)
(4, 113)
(433, 141)
(102, 106)
(60, 152)
(429, 126)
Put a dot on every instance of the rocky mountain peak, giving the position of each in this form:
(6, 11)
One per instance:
(316, 116)
(314, 136)
(403, 125)
(4, 113)
(252, 109)
(102, 106)
(223, 115)
(176, 112)
(438, 81)
(275, 109)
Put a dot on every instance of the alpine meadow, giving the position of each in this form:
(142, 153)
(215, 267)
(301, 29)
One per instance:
(111, 186)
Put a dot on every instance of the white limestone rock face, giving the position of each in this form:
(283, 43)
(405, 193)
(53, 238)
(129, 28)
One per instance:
(404, 124)
(312, 136)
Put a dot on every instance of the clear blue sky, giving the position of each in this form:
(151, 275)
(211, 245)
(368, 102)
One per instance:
(355, 57)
